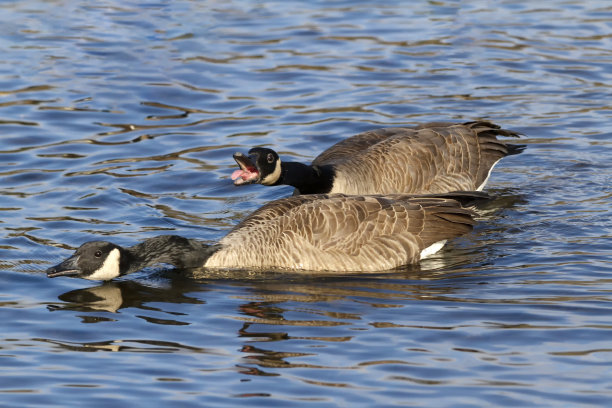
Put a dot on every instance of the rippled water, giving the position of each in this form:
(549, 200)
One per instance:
(118, 120)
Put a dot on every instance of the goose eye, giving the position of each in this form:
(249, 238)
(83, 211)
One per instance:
(98, 254)
(270, 158)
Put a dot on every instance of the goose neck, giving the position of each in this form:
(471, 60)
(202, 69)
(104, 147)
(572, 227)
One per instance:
(306, 178)
(165, 249)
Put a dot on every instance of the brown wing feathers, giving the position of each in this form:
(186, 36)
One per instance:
(430, 158)
(342, 233)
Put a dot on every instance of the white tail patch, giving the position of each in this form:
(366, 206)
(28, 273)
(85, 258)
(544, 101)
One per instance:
(273, 177)
(432, 249)
(109, 269)
(487, 179)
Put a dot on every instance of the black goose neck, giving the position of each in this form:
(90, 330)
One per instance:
(168, 249)
(307, 179)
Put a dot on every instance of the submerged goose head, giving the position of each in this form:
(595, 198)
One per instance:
(262, 166)
(101, 260)
(95, 260)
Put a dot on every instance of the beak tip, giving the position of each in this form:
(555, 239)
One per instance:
(56, 273)
(66, 268)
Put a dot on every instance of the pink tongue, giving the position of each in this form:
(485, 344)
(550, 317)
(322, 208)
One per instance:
(236, 174)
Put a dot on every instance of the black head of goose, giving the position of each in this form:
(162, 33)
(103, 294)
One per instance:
(430, 158)
(264, 166)
(332, 233)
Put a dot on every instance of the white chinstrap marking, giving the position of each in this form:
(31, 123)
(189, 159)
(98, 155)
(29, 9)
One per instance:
(273, 177)
(109, 269)
(432, 249)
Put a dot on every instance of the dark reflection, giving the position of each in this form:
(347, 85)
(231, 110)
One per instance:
(504, 199)
(492, 238)
(270, 288)
(133, 346)
(114, 295)
(265, 358)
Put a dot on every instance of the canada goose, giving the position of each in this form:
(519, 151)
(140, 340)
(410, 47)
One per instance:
(308, 232)
(430, 158)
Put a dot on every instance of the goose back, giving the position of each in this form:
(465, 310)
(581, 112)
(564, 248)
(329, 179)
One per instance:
(430, 158)
(341, 233)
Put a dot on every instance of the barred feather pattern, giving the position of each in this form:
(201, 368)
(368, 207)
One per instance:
(341, 233)
(430, 158)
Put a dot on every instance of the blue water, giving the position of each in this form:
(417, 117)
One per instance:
(118, 121)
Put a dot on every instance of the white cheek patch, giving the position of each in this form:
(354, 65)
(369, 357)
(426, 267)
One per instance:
(432, 249)
(108, 270)
(274, 176)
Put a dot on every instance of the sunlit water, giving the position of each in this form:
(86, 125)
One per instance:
(118, 121)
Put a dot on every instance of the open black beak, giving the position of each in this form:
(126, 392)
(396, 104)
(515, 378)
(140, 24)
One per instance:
(67, 268)
(248, 172)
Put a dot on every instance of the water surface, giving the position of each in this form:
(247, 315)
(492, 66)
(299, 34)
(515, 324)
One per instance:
(118, 121)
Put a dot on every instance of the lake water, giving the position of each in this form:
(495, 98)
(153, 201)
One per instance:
(118, 121)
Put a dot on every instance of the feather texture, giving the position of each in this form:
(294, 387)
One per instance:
(341, 233)
(431, 158)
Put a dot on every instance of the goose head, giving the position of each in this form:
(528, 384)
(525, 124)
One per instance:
(95, 260)
(101, 260)
(262, 166)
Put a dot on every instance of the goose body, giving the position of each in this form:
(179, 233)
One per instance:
(430, 158)
(309, 232)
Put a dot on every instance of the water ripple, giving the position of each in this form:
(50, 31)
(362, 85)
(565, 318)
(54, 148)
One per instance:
(119, 121)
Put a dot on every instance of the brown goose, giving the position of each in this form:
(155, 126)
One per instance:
(430, 158)
(308, 232)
